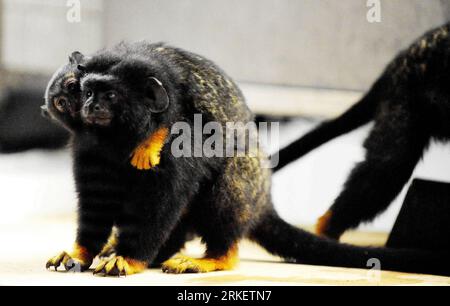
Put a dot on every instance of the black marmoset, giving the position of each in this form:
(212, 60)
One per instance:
(128, 177)
(410, 104)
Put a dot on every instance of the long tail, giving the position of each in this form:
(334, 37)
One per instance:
(289, 242)
(360, 113)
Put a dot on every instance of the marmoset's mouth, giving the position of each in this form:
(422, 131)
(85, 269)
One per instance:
(98, 120)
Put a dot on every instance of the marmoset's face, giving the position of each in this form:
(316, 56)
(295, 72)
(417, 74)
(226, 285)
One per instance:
(100, 101)
(127, 96)
(62, 96)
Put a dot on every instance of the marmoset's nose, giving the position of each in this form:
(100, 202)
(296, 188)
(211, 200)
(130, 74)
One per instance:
(93, 108)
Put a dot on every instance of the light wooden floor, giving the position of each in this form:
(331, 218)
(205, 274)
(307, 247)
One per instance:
(27, 245)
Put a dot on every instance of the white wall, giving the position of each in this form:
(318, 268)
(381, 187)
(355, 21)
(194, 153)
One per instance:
(314, 43)
(37, 36)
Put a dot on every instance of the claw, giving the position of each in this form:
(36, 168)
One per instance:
(99, 268)
(118, 266)
(79, 260)
(56, 261)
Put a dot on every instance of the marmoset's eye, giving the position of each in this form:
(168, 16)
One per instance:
(61, 104)
(89, 93)
(72, 86)
(111, 95)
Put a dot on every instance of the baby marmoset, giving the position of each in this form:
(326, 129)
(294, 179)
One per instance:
(127, 177)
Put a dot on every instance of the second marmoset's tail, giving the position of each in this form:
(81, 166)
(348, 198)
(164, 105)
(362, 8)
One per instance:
(290, 242)
(360, 113)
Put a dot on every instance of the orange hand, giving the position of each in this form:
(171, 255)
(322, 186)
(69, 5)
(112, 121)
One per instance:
(147, 154)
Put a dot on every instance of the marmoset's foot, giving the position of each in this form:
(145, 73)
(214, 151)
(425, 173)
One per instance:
(118, 265)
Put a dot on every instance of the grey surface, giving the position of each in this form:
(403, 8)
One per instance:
(312, 43)
(38, 38)
(317, 43)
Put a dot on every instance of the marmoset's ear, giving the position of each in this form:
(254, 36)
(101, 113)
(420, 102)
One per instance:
(81, 67)
(160, 98)
(76, 57)
(44, 111)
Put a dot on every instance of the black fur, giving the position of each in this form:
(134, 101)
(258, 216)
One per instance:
(410, 106)
(220, 199)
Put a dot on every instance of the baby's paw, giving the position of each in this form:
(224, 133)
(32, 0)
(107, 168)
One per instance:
(147, 154)
(142, 158)
(118, 265)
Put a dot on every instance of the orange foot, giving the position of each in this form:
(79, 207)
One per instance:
(77, 261)
(147, 154)
(118, 265)
(185, 264)
(322, 223)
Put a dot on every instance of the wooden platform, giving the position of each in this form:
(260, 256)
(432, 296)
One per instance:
(28, 244)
